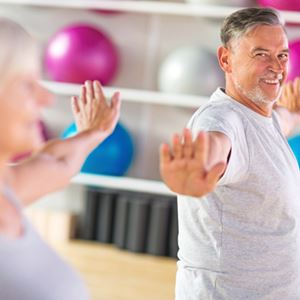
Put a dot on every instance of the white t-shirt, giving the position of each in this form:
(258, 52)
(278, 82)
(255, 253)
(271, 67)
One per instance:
(242, 240)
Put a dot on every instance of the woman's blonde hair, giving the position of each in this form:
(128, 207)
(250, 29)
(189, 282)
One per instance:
(18, 49)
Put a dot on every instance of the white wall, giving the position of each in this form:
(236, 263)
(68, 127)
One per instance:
(143, 40)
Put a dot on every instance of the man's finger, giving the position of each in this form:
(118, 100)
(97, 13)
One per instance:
(164, 154)
(176, 146)
(215, 173)
(187, 143)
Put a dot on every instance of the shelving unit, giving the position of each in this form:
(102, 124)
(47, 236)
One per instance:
(146, 7)
(123, 183)
(80, 253)
(142, 96)
(153, 8)
(131, 95)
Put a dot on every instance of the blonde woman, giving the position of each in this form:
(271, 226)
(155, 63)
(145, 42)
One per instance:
(29, 268)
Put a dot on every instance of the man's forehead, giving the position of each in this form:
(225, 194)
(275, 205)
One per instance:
(265, 37)
(266, 32)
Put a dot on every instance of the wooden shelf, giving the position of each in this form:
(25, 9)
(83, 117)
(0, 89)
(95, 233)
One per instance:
(123, 183)
(146, 7)
(131, 95)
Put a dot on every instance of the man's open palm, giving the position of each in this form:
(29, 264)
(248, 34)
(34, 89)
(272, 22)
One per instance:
(183, 166)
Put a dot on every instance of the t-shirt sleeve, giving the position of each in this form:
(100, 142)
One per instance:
(228, 123)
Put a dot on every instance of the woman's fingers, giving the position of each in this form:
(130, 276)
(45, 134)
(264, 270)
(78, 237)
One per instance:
(83, 94)
(98, 91)
(297, 93)
(90, 95)
(116, 101)
(75, 105)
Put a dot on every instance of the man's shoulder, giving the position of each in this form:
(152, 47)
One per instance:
(220, 115)
(221, 109)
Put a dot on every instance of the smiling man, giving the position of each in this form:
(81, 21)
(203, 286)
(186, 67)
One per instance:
(238, 182)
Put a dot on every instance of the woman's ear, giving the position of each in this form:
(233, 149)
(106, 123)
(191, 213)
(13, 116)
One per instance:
(224, 59)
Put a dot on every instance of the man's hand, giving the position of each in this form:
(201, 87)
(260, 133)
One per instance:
(183, 166)
(92, 112)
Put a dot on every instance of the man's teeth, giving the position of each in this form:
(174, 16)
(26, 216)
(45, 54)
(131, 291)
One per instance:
(273, 81)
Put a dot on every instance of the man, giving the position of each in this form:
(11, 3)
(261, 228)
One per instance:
(238, 181)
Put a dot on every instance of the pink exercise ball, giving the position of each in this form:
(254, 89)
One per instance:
(81, 52)
(294, 60)
(281, 4)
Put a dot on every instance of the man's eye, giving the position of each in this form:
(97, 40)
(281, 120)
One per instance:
(261, 54)
(284, 56)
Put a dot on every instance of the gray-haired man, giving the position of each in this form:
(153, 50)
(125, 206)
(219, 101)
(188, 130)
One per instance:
(238, 182)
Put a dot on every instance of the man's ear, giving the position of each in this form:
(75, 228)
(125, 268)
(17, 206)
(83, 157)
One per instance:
(224, 59)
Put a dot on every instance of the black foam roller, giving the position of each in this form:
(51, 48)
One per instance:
(157, 242)
(105, 217)
(88, 231)
(121, 221)
(137, 224)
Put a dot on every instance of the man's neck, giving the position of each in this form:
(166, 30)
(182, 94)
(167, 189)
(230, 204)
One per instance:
(263, 109)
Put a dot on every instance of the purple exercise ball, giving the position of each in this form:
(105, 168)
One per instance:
(81, 52)
(294, 60)
(281, 4)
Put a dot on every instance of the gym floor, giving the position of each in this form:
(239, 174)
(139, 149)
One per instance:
(113, 274)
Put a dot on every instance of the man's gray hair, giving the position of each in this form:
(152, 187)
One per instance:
(242, 21)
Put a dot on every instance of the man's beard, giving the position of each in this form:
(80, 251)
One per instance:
(256, 95)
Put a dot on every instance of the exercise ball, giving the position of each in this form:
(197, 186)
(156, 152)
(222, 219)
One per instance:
(190, 70)
(294, 60)
(81, 52)
(43, 136)
(112, 157)
(223, 2)
(294, 143)
(281, 4)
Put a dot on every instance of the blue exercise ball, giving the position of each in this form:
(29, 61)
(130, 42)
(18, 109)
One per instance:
(294, 143)
(112, 157)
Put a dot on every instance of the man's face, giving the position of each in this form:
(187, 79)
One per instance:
(258, 64)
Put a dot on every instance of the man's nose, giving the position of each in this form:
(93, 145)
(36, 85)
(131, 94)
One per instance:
(276, 65)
